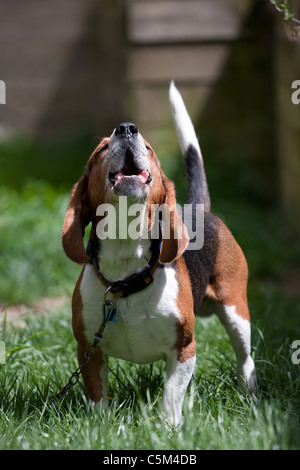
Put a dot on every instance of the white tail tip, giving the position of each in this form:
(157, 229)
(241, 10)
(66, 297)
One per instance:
(184, 126)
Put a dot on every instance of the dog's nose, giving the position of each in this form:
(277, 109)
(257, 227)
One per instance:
(126, 130)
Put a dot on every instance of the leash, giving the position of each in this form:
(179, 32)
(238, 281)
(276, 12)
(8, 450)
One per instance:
(109, 314)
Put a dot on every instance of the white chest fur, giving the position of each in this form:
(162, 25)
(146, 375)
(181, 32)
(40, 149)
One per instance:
(145, 329)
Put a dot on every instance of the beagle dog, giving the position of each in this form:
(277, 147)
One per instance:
(151, 287)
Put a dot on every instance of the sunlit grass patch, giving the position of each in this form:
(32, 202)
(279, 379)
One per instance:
(217, 415)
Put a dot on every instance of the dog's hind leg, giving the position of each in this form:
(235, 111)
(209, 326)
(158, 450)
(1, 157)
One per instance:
(227, 290)
(238, 329)
(239, 332)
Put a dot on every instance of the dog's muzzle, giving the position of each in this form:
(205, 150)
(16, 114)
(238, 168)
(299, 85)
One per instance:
(129, 172)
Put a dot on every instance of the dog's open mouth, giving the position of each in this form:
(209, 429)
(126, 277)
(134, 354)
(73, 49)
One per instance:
(130, 172)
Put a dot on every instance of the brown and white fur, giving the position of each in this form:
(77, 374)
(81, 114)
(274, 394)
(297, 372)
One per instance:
(158, 321)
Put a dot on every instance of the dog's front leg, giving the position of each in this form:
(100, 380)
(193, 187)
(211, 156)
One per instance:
(95, 376)
(179, 371)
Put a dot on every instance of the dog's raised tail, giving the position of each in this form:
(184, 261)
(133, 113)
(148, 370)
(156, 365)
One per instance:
(197, 185)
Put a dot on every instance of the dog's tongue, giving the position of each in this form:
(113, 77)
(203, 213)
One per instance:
(143, 176)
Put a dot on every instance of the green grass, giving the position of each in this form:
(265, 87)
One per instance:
(32, 262)
(41, 355)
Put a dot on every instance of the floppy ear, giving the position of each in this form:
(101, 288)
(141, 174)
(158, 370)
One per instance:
(77, 218)
(175, 236)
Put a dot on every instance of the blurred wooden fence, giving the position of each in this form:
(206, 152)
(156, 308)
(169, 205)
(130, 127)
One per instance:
(76, 66)
(187, 41)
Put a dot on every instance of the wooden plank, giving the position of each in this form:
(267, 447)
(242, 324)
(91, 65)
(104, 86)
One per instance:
(152, 22)
(36, 20)
(201, 63)
(36, 40)
(51, 59)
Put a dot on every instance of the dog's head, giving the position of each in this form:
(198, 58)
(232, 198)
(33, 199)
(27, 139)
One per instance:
(122, 165)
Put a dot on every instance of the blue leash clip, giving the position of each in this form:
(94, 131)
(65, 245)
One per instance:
(109, 310)
(111, 314)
